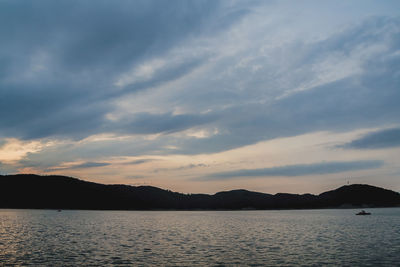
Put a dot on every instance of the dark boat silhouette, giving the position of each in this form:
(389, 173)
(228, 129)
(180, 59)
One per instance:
(363, 212)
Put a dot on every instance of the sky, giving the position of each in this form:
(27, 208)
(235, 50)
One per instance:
(202, 96)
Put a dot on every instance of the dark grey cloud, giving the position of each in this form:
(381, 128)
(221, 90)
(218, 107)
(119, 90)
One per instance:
(139, 161)
(365, 99)
(96, 35)
(192, 166)
(386, 138)
(90, 165)
(170, 73)
(146, 123)
(298, 170)
(337, 106)
(59, 61)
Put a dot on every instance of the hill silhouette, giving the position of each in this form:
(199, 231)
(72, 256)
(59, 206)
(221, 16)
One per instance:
(30, 191)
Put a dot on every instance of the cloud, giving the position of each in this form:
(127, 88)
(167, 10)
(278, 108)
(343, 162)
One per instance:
(7, 168)
(2, 143)
(146, 123)
(184, 167)
(90, 165)
(58, 71)
(298, 170)
(168, 72)
(139, 161)
(245, 71)
(63, 75)
(84, 165)
(386, 138)
(328, 105)
(135, 177)
(192, 166)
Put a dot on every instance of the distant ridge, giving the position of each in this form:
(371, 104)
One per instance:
(28, 191)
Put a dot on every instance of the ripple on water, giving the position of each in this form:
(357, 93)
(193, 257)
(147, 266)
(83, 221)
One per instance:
(252, 238)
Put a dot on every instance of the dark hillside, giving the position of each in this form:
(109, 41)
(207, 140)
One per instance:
(359, 194)
(60, 192)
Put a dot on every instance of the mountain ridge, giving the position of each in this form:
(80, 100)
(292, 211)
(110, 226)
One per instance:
(62, 192)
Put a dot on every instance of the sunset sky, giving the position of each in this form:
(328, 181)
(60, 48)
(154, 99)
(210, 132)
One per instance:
(202, 96)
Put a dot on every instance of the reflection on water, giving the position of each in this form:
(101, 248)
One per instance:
(255, 238)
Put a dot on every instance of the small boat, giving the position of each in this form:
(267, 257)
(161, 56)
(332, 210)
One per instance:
(363, 212)
(58, 210)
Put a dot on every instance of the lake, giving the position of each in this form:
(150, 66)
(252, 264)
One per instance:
(199, 238)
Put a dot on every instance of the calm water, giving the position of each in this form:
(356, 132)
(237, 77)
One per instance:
(188, 238)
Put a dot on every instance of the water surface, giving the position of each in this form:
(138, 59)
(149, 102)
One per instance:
(198, 238)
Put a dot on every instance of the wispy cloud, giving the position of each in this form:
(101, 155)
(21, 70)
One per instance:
(297, 170)
(7, 168)
(139, 161)
(184, 167)
(91, 58)
(192, 166)
(90, 165)
(135, 177)
(387, 138)
(148, 73)
(84, 165)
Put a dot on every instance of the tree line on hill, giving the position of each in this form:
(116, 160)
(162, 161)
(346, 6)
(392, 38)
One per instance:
(30, 191)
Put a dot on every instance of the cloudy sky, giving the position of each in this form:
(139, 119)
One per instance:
(202, 96)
